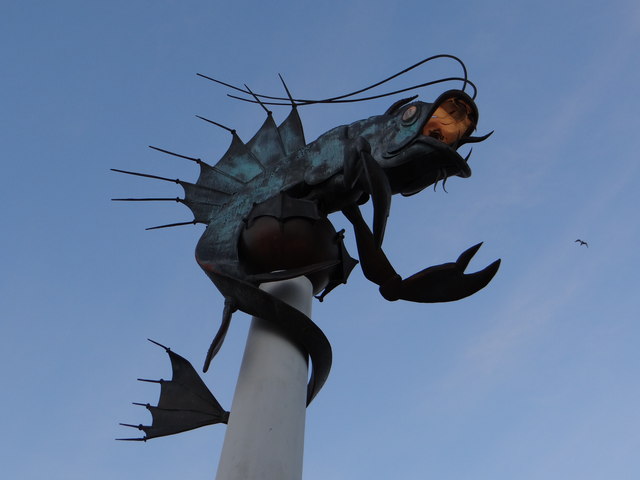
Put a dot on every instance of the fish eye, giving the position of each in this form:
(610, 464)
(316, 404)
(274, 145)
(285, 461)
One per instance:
(410, 114)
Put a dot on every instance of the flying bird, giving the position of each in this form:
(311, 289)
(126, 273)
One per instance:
(582, 243)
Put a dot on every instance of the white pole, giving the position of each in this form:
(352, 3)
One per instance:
(265, 433)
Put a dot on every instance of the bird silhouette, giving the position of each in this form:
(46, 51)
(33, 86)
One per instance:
(582, 243)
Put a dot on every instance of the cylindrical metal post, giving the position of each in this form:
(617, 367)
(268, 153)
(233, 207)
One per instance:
(265, 434)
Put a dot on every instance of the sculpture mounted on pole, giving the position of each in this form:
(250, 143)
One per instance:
(266, 203)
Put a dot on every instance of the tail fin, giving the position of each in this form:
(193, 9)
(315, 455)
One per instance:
(185, 402)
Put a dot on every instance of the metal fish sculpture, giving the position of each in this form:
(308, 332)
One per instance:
(266, 203)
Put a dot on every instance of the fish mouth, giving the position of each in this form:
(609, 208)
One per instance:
(442, 154)
(424, 162)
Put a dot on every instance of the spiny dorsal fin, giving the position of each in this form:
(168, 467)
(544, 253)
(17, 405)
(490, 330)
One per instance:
(202, 200)
(266, 145)
(217, 179)
(242, 162)
(291, 132)
(198, 197)
(239, 163)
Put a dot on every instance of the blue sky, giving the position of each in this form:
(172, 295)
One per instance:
(535, 377)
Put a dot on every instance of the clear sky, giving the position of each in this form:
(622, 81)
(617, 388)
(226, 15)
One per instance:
(535, 377)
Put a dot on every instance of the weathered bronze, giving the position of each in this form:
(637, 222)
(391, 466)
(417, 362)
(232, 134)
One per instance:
(265, 204)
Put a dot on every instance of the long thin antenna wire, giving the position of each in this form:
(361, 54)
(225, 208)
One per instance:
(337, 99)
(352, 100)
